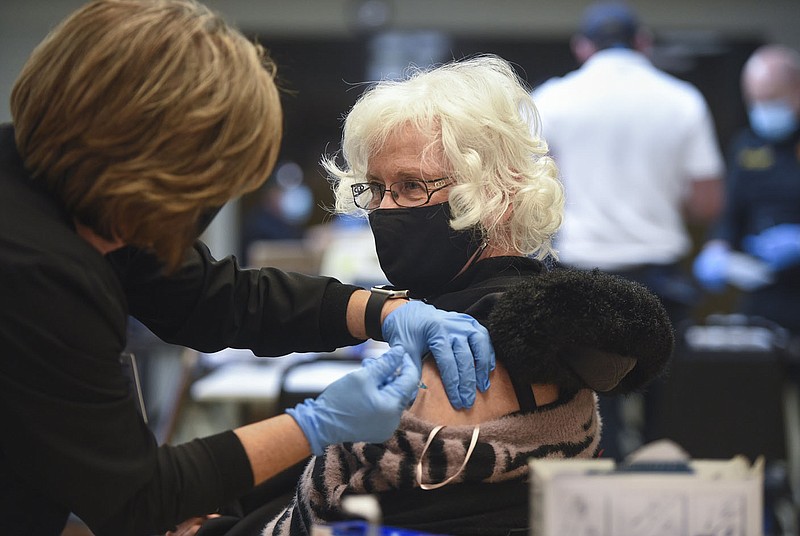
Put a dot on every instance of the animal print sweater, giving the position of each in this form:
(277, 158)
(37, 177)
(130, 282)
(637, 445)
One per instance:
(488, 497)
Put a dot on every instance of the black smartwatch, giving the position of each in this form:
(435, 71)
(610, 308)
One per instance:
(372, 313)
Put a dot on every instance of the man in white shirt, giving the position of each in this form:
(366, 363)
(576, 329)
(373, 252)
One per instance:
(638, 156)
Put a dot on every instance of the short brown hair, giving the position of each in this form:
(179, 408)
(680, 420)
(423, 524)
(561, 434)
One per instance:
(142, 115)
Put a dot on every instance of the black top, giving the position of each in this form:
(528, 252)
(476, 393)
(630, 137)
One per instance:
(763, 190)
(504, 506)
(495, 274)
(72, 438)
(762, 186)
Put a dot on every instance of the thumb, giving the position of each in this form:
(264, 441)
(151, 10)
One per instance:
(405, 384)
(384, 366)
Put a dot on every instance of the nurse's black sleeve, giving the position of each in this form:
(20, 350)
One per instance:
(189, 481)
(73, 439)
(213, 304)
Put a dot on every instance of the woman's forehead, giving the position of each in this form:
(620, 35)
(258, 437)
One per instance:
(408, 151)
(410, 138)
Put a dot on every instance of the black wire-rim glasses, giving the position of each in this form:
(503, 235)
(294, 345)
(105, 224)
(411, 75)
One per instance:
(407, 194)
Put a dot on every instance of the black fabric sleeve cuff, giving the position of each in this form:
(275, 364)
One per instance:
(190, 479)
(235, 474)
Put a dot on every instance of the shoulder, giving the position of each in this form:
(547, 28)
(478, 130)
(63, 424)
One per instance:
(745, 138)
(677, 90)
(555, 90)
(547, 87)
(51, 277)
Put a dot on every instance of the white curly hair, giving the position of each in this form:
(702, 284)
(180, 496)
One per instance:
(481, 113)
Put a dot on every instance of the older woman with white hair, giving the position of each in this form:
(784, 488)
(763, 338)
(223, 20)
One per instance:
(450, 146)
(463, 201)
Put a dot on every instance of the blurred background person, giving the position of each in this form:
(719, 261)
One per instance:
(638, 156)
(755, 247)
(282, 209)
(762, 210)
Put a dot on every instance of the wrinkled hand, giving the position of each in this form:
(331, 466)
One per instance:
(460, 345)
(778, 246)
(364, 405)
(711, 266)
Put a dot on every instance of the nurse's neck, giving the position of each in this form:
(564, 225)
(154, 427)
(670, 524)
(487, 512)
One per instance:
(96, 241)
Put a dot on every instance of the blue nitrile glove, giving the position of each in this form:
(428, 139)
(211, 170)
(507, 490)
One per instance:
(711, 266)
(364, 405)
(778, 246)
(460, 345)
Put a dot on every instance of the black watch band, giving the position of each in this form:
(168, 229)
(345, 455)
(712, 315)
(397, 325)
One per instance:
(372, 313)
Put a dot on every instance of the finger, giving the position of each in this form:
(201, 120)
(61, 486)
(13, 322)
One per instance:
(405, 384)
(393, 353)
(466, 372)
(413, 396)
(383, 368)
(448, 370)
(483, 353)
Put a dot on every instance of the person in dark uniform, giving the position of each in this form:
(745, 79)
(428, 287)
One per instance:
(133, 122)
(755, 245)
(762, 213)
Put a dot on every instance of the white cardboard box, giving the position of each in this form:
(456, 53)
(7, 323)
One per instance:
(592, 498)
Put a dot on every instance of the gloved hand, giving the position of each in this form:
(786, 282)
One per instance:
(364, 405)
(778, 246)
(459, 343)
(711, 266)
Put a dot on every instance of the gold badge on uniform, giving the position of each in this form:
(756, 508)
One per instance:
(755, 158)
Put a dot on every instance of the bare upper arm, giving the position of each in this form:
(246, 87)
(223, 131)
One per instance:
(705, 199)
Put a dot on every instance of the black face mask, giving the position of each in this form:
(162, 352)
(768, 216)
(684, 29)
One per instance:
(418, 250)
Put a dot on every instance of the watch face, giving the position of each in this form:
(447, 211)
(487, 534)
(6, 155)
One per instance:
(390, 291)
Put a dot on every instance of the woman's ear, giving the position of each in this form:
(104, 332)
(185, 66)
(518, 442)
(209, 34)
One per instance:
(643, 41)
(582, 48)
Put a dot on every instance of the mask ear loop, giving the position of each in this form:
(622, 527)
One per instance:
(472, 443)
(478, 252)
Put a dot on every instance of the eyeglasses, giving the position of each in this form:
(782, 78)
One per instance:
(408, 194)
